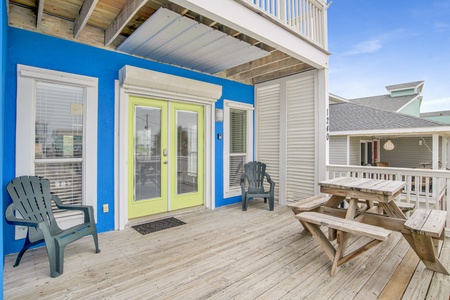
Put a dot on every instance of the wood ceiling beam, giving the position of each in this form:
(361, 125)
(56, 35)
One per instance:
(274, 56)
(302, 67)
(83, 16)
(268, 68)
(40, 13)
(128, 11)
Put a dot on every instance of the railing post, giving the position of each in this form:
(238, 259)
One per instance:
(281, 10)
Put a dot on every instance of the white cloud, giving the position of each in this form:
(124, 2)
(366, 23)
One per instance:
(435, 105)
(375, 44)
(441, 27)
(370, 46)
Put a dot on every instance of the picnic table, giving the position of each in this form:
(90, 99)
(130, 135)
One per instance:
(379, 217)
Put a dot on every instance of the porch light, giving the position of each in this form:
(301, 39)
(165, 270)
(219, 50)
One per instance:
(388, 145)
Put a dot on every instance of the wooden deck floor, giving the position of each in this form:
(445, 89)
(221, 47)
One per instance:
(225, 254)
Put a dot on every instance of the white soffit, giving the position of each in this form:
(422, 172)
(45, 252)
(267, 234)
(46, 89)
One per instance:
(171, 38)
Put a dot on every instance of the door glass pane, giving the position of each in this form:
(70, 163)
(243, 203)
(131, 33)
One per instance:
(187, 145)
(147, 153)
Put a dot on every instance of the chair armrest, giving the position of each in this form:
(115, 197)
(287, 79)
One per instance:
(88, 210)
(11, 219)
(269, 180)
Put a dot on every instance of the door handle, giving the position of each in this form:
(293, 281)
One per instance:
(165, 152)
(165, 162)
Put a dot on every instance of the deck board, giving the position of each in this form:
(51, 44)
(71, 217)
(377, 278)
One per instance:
(221, 254)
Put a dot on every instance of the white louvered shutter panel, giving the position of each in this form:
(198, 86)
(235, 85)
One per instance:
(300, 146)
(59, 140)
(268, 130)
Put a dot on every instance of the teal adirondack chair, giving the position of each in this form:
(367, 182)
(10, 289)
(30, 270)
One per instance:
(252, 184)
(32, 199)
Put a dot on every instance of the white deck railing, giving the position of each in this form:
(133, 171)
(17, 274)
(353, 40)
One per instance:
(424, 188)
(306, 17)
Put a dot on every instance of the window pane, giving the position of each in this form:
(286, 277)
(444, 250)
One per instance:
(238, 131)
(187, 161)
(59, 121)
(147, 153)
(59, 139)
(65, 180)
(236, 169)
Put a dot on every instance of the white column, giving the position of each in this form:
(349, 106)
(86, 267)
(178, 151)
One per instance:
(323, 122)
(435, 151)
(283, 144)
(444, 152)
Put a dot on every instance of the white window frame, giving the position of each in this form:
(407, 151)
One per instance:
(27, 78)
(229, 104)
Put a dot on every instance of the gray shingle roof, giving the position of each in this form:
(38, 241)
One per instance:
(385, 102)
(353, 117)
(408, 85)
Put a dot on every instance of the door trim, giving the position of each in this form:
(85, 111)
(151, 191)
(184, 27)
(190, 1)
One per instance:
(121, 146)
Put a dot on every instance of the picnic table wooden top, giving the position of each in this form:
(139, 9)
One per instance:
(373, 186)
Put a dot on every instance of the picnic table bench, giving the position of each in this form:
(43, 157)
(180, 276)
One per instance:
(422, 230)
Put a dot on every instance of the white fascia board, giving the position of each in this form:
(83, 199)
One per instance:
(444, 130)
(242, 19)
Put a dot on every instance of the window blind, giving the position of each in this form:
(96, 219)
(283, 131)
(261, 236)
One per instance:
(238, 145)
(59, 139)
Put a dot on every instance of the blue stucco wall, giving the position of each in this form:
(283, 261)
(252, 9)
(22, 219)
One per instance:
(3, 38)
(33, 49)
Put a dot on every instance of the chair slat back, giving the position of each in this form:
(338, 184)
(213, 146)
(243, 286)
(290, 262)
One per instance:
(32, 198)
(255, 171)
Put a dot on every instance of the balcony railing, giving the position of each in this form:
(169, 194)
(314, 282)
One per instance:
(305, 17)
(425, 188)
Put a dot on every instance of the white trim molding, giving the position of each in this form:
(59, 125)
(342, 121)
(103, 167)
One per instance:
(229, 104)
(151, 84)
(27, 78)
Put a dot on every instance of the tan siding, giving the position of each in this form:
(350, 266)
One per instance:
(338, 150)
(407, 152)
(355, 149)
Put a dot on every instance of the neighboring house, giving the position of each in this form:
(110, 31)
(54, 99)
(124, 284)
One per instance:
(358, 134)
(151, 106)
(439, 116)
(403, 98)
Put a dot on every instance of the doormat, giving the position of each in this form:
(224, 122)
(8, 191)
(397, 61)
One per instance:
(157, 225)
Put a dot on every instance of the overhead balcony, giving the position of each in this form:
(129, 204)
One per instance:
(250, 41)
(307, 18)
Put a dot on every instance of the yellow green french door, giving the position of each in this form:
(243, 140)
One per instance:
(165, 156)
(186, 169)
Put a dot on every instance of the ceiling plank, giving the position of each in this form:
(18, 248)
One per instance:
(85, 13)
(40, 13)
(128, 11)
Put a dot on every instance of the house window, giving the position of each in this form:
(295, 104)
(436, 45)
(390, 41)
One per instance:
(366, 153)
(57, 134)
(238, 144)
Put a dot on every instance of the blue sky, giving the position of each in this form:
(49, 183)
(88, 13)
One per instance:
(375, 43)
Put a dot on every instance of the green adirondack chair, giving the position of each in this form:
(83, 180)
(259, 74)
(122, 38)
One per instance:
(252, 184)
(32, 199)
